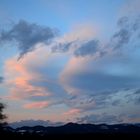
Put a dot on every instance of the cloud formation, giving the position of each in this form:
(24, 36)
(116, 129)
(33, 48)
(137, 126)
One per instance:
(36, 105)
(87, 75)
(99, 119)
(126, 37)
(35, 81)
(77, 37)
(1, 79)
(106, 81)
(109, 118)
(18, 78)
(72, 112)
(80, 102)
(81, 42)
(129, 30)
(89, 48)
(27, 35)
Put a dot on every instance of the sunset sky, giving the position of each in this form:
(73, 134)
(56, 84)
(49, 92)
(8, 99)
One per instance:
(70, 60)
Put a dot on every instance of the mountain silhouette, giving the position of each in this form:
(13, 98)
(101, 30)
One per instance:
(74, 128)
(32, 123)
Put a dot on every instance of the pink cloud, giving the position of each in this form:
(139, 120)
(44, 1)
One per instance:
(72, 112)
(74, 66)
(36, 105)
(19, 77)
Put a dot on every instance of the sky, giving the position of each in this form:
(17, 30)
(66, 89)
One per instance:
(70, 60)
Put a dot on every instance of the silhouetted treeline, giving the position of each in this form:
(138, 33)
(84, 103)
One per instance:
(2, 117)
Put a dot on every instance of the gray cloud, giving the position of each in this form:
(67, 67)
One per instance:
(82, 102)
(133, 97)
(85, 49)
(128, 32)
(100, 118)
(113, 103)
(123, 21)
(1, 79)
(129, 29)
(89, 48)
(95, 101)
(137, 101)
(122, 37)
(109, 118)
(27, 35)
(136, 25)
(62, 47)
(137, 91)
(116, 102)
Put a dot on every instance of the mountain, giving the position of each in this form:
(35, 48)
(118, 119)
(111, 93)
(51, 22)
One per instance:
(32, 123)
(74, 128)
(73, 131)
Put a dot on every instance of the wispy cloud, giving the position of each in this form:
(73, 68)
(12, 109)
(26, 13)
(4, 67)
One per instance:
(72, 112)
(27, 35)
(1, 79)
(89, 48)
(86, 44)
(18, 79)
(35, 78)
(36, 105)
(103, 118)
(128, 33)
(72, 40)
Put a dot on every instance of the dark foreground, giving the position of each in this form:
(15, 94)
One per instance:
(69, 136)
(72, 131)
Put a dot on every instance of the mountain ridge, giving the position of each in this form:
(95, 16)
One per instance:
(75, 128)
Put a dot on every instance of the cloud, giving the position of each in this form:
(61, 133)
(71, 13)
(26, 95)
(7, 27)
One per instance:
(74, 39)
(89, 48)
(106, 107)
(36, 105)
(125, 38)
(81, 102)
(1, 79)
(62, 47)
(27, 35)
(128, 33)
(103, 118)
(87, 75)
(137, 91)
(99, 85)
(35, 78)
(82, 84)
(72, 112)
(116, 102)
(80, 41)
(122, 38)
(134, 97)
(18, 80)
(90, 102)
(137, 101)
(99, 81)
(84, 43)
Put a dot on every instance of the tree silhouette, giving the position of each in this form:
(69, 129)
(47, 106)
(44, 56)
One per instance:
(2, 116)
